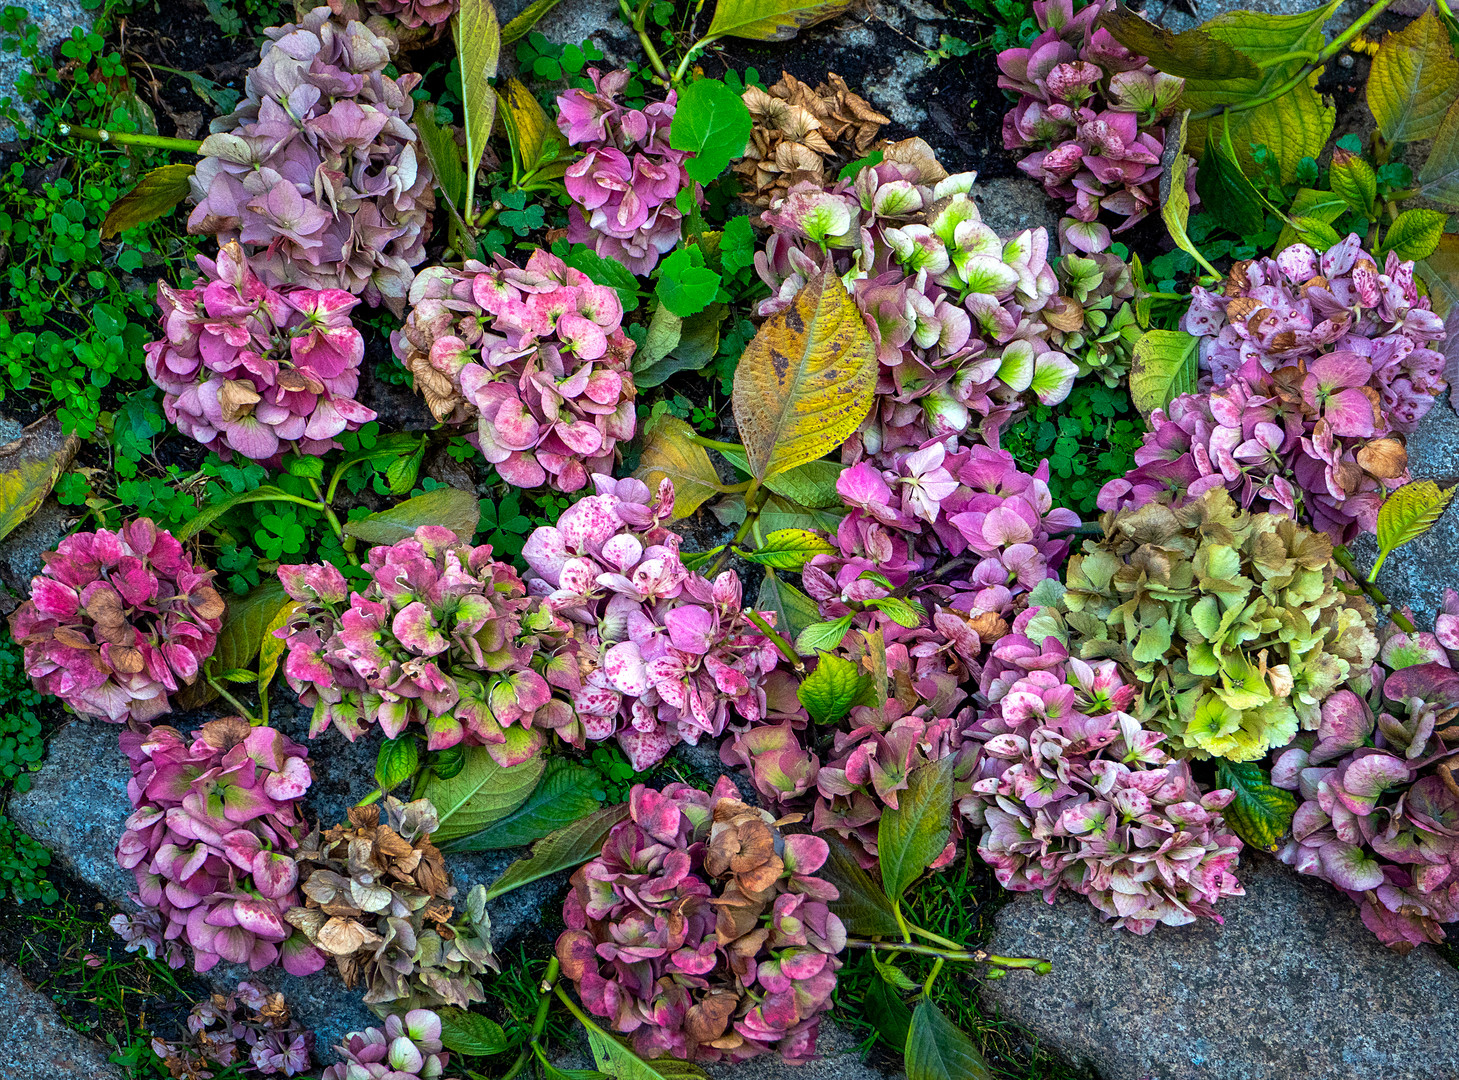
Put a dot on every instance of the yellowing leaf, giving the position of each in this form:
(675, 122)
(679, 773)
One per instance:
(807, 380)
(1162, 367)
(1440, 272)
(271, 648)
(155, 195)
(1354, 179)
(770, 20)
(1439, 177)
(522, 25)
(1410, 512)
(1193, 54)
(457, 510)
(1175, 203)
(528, 126)
(1413, 81)
(478, 48)
(790, 549)
(29, 467)
(1261, 813)
(669, 451)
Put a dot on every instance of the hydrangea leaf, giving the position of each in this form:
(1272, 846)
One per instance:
(806, 381)
(1164, 365)
(531, 15)
(1440, 272)
(770, 20)
(887, 1013)
(863, 905)
(829, 692)
(794, 610)
(1175, 203)
(533, 135)
(621, 1063)
(1439, 177)
(1308, 206)
(1224, 187)
(483, 791)
(396, 761)
(571, 845)
(938, 1050)
(812, 484)
(155, 195)
(1415, 233)
(790, 549)
(566, 793)
(1407, 514)
(914, 832)
(1193, 54)
(1354, 179)
(247, 621)
(440, 149)
(29, 467)
(668, 451)
(478, 50)
(1260, 813)
(1413, 80)
(450, 507)
(711, 122)
(271, 649)
(822, 635)
(471, 1033)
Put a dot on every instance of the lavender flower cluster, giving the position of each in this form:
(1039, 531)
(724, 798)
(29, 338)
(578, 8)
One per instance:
(249, 1029)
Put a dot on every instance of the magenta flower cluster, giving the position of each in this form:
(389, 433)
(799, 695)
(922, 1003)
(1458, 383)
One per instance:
(1093, 114)
(318, 172)
(210, 840)
(1071, 793)
(1379, 801)
(417, 13)
(665, 655)
(436, 639)
(1290, 424)
(252, 370)
(118, 621)
(701, 932)
(537, 355)
(625, 186)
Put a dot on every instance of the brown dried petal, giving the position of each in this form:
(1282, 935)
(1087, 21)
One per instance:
(364, 817)
(989, 626)
(207, 603)
(237, 399)
(126, 660)
(707, 1020)
(73, 639)
(226, 732)
(341, 937)
(391, 843)
(1064, 314)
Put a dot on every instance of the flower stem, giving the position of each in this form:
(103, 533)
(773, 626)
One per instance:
(549, 981)
(786, 650)
(638, 20)
(714, 444)
(333, 519)
(1344, 559)
(243, 712)
(956, 955)
(127, 138)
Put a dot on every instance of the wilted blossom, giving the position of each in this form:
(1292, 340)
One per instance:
(408, 1048)
(378, 900)
(1234, 624)
(143, 932)
(955, 310)
(417, 13)
(1361, 339)
(441, 637)
(657, 654)
(249, 1029)
(1094, 114)
(317, 172)
(1071, 793)
(1379, 801)
(537, 356)
(212, 837)
(624, 187)
(700, 931)
(118, 621)
(249, 369)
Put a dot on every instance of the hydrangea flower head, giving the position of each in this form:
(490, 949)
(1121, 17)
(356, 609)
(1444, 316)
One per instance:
(249, 1028)
(408, 1047)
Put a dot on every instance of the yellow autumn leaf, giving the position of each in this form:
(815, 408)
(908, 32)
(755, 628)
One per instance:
(770, 20)
(668, 451)
(29, 468)
(527, 123)
(807, 380)
(1413, 81)
(271, 648)
(478, 49)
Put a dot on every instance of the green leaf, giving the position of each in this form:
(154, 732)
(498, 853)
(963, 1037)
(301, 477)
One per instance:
(711, 122)
(1354, 180)
(570, 846)
(1164, 365)
(603, 271)
(770, 20)
(1415, 234)
(893, 975)
(938, 1050)
(471, 1033)
(793, 609)
(807, 380)
(563, 795)
(244, 626)
(1260, 813)
(206, 515)
(888, 1014)
(829, 692)
(617, 1060)
(155, 195)
(531, 15)
(1175, 203)
(482, 792)
(790, 549)
(912, 834)
(863, 905)
(478, 50)
(1319, 234)
(450, 507)
(1413, 80)
(902, 612)
(396, 762)
(670, 451)
(822, 635)
(1225, 190)
(665, 330)
(812, 484)
(29, 468)
(271, 649)
(676, 344)
(1440, 272)
(686, 286)
(1311, 206)
(737, 245)
(777, 512)
(1410, 512)
(1193, 54)
(443, 154)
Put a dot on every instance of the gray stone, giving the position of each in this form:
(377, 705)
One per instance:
(54, 18)
(577, 21)
(21, 551)
(36, 1044)
(1010, 204)
(1291, 987)
(1172, 18)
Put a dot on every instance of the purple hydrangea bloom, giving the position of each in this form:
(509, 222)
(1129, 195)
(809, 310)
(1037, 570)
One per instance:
(317, 172)
(118, 621)
(624, 187)
(537, 356)
(252, 370)
(408, 1048)
(701, 932)
(249, 1028)
(417, 13)
(211, 836)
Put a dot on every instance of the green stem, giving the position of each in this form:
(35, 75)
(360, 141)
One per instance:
(938, 938)
(1344, 558)
(694, 50)
(714, 444)
(223, 693)
(549, 981)
(1332, 49)
(334, 522)
(520, 1064)
(127, 138)
(954, 954)
(902, 925)
(638, 20)
(786, 650)
(932, 975)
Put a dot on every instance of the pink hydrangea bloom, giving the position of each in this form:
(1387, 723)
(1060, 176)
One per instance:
(418, 13)
(409, 1047)
(317, 171)
(701, 931)
(252, 370)
(657, 654)
(211, 836)
(537, 356)
(244, 1029)
(624, 187)
(1093, 114)
(118, 621)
